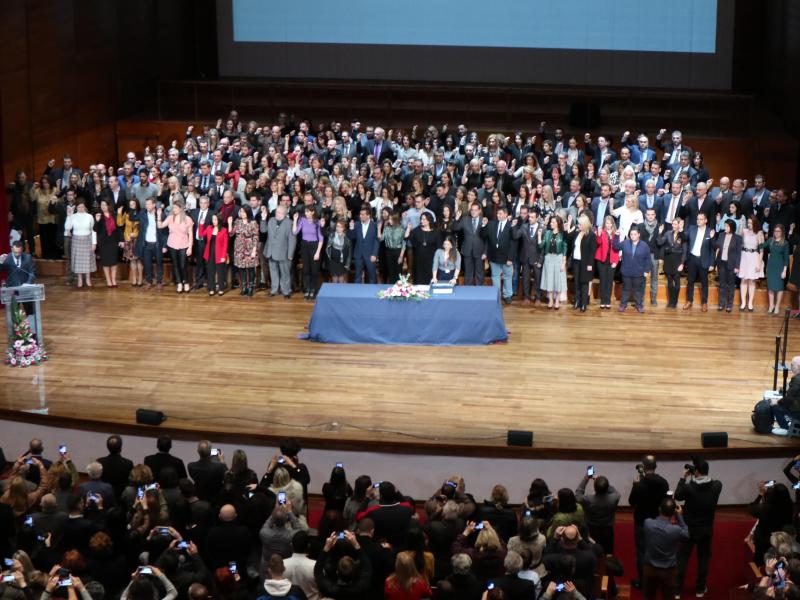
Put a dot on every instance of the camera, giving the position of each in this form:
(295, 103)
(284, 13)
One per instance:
(640, 469)
(691, 469)
(340, 536)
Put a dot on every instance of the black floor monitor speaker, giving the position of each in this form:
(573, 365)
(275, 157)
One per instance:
(714, 439)
(519, 438)
(150, 417)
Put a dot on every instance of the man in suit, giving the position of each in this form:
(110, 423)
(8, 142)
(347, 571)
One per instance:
(601, 153)
(635, 262)
(673, 148)
(378, 146)
(205, 178)
(651, 200)
(364, 236)
(602, 205)
(62, 174)
(97, 486)
(759, 194)
(151, 243)
(698, 259)
(722, 195)
(473, 246)
(648, 233)
(200, 216)
(163, 459)
(279, 250)
(207, 472)
(330, 156)
(116, 468)
(640, 152)
(35, 450)
(673, 204)
(217, 164)
(49, 520)
(699, 203)
(683, 166)
(18, 266)
(501, 250)
(530, 256)
(348, 147)
(573, 193)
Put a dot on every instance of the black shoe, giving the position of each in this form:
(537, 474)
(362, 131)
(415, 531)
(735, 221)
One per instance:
(583, 308)
(307, 295)
(271, 294)
(261, 285)
(244, 290)
(234, 285)
(287, 296)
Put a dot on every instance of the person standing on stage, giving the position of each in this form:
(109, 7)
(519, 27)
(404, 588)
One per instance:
(279, 250)
(18, 266)
(80, 225)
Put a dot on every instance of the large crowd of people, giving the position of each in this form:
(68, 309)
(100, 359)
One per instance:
(161, 528)
(283, 206)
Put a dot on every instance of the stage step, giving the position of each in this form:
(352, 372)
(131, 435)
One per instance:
(57, 268)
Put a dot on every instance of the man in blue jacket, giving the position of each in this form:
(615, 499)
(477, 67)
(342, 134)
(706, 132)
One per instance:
(635, 262)
(364, 235)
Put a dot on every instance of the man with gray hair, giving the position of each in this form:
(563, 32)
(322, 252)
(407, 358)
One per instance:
(96, 487)
(513, 586)
(465, 584)
(50, 520)
(279, 250)
(789, 404)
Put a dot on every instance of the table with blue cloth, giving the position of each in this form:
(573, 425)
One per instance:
(353, 314)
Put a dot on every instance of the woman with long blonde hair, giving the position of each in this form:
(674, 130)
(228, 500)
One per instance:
(406, 583)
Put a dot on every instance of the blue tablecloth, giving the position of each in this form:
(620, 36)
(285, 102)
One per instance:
(353, 314)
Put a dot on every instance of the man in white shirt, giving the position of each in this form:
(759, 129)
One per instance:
(698, 259)
(300, 568)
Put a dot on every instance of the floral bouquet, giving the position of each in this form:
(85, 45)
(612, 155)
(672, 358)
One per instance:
(403, 290)
(22, 351)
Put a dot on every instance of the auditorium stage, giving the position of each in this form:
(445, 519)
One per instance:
(593, 384)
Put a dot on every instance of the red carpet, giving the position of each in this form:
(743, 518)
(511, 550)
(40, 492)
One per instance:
(729, 557)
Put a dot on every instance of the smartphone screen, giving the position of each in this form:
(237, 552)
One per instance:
(215, 452)
(62, 449)
(145, 571)
(232, 567)
(590, 471)
(281, 497)
(479, 526)
(561, 587)
(340, 465)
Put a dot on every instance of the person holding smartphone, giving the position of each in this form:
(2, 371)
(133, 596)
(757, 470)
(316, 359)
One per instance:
(17, 495)
(600, 508)
(647, 492)
(774, 510)
(663, 536)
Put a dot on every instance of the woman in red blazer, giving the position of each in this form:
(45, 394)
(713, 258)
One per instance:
(607, 259)
(216, 254)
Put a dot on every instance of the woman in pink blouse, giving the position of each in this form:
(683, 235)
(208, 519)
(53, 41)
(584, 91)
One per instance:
(179, 242)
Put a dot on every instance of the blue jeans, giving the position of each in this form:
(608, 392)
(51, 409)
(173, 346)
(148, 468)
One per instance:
(507, 271)
(515, 278)
(780, 416)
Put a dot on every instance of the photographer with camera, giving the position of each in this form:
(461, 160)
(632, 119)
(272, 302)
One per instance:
(647, 493)
(700, 494)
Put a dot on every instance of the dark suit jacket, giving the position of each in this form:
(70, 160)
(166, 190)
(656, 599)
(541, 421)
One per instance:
(734, 249)
(161, 234)
(658, 205)
(207, 475)
(116, 469)
(161, 460)
(16, 276)
(386, 150)
(707, 249)
(499, 249)
(364, 247)
(529, 253)
(634, 263)
(516, 588)
(195, 214)
(691, 209)
(588, 250)
(473, 244)
(594, 152)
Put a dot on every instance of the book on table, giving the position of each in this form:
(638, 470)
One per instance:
(442, 288)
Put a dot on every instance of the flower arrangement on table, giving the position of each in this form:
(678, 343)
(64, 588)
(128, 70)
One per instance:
(404, 291)
(23, 350)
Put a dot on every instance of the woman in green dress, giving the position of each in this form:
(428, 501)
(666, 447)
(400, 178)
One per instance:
(777, 264)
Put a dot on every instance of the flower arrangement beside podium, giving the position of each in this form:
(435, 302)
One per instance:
(403, 291)
(23, 350)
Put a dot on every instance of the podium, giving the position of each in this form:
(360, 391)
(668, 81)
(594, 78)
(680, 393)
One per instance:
(29, 293)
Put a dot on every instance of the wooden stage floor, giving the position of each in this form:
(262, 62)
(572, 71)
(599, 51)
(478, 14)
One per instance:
(599, 381)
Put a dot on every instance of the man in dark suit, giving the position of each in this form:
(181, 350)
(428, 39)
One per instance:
(698, 259)
(602, 205)
(200, 216)
(348, 147)
(364, 236)
(511, 583)
(207, 472)
(163, 459)
(673, 148)
(601, 153)
(228, 541)
(473, 246)
(651, 200)
(35, 450)
(530, 256)
(63, 173)
(501, 250)
(641, 151)
(635, 262)
(699, 203)
(18, 266)
(330, 156)
(378, 146)
(151, 243)
(116, 468)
